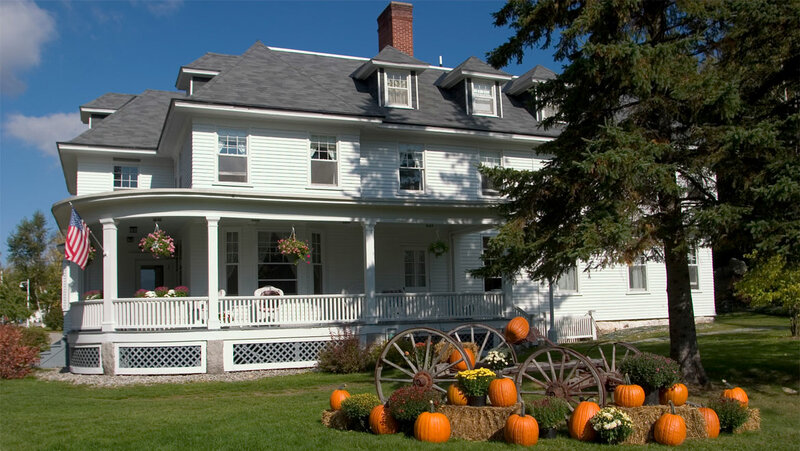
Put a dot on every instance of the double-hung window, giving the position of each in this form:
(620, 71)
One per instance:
(232, 156)
(568, 282)
(694, 270)
(324, 161)
(490, 283)
(414, 269)
(273, 267)
(232, 263)
(126, 177)
(492, 160)
(412, 168)
(398, 89)
(483, 98)
(637, 274)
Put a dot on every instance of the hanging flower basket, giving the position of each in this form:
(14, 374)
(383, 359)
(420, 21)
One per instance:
(294, 249)
(158, 243)
(438, 248)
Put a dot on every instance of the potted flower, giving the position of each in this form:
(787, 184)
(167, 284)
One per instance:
(92, 295)
(161, 291)
(181, 291)
(158, 243)
(406, 403)
(550, 412)
(652, 372)
(612, 425)
(475, 384)
(140, 293)
(296, 250)
(438, 248)
(497, 360)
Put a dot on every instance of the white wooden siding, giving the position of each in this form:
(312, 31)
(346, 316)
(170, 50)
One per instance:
(204, 153)
(96, 173)
(451, 173)
(185, 160)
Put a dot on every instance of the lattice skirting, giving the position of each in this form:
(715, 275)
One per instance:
(85, 360)
(258, 355)
(156, 358)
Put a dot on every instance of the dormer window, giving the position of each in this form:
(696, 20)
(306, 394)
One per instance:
(398, 89)
(483, 98)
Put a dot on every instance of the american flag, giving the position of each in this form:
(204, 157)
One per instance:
(76, 249)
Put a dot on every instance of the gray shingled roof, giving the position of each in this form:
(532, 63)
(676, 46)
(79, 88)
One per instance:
(213, 61)
(473, 64)
(110, 101)
(137, 124)
(526, 80)
(390, 54)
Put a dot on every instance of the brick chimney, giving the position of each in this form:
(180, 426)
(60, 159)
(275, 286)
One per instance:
(396, 28)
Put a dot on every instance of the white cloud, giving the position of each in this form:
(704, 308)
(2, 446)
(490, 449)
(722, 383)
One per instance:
(24, 28)
(160, 8)
(43, 132)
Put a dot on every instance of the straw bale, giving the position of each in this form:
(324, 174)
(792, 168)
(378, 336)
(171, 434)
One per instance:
(336, 419)
(478, 423)
(439, 350)
(752, 424)
(645, 417)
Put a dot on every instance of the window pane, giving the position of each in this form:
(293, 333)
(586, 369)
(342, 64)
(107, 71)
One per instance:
(126, 177)
(483, 106)
(483, 97)
(637, 275)
(568, 281)
(694, 280)
(397, 89)
(232, 280)
(323, 172)
(411, 179)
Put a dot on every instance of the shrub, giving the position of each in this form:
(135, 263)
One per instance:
(406, 403)
(731, 414)
(16, 359)
(651, 371)
(344, 354)
(54, 318)
(358, 407)
(35, 337)
(550, 411)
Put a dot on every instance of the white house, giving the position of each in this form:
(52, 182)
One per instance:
(370, 160)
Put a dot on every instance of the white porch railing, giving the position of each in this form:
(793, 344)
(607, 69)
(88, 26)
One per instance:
(87, 315)
(160, 313)
(286, 310)
(437, 306)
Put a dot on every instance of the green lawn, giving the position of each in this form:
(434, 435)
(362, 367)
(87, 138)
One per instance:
(284, 412)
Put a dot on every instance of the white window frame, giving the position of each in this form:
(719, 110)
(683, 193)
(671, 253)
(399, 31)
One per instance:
(639, 264)
(123, 180)
(570, 273)
(238, 133)
(416, 150)
(407, 75)
(694, 266)
(416, 251)
(493, 98)
(326, 139)
(492, 159)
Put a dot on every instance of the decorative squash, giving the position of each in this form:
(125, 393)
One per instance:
(432, 427)
(455, 356)
(735, 393)
(456, 396)
(628, 395)
(670, 429)
(521, 429)
(517, 329)
(338, 396)
(678, 394)
(579, 426)
(502, 392)
(712, 421)
(381, 422)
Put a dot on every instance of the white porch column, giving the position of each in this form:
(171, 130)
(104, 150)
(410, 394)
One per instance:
(508, 297)
(213, 271)
(371, 309)
(109, 272)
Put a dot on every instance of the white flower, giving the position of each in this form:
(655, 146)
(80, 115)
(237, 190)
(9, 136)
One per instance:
(150, 294)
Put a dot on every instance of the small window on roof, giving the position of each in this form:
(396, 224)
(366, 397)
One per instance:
(483, 98)
(398, 89)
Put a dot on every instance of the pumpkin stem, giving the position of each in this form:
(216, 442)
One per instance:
(672, 407)
(431, 406)
(627, 379)
(727, 384)
(522, 406)
(341, 387)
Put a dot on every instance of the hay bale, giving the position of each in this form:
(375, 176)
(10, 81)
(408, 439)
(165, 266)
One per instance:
(645, 417)
(752, 424)
(336, 419)
(478, 423)
(444, 353)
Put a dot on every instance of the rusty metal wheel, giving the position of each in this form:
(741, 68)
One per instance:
(418, 356)
(486, 338)
(607, 357)
(560, 372)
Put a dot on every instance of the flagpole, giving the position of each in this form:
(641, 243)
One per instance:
(90, 232)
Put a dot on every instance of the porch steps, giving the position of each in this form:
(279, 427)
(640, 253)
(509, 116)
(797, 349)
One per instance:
(55, 357)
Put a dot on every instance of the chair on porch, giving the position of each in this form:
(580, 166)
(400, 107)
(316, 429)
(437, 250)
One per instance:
(266, 314)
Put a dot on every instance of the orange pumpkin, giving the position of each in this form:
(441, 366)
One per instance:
(712, 421)
(736, 393)
(678, 394)
(670, 429)
(517, 329)
(628, 395)
(381, 422)
(502, 392)
(455, 356)
(338, 396)
(579, 426)
(521, 429)
(432, 427)
(456, 396)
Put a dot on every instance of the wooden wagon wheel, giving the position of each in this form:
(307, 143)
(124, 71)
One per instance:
(486, 338)
(418, 356)
(607, 357)
(560, 372)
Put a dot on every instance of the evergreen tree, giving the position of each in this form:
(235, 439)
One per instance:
(649, 102)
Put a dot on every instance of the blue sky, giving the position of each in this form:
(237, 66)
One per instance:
(58, 55)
